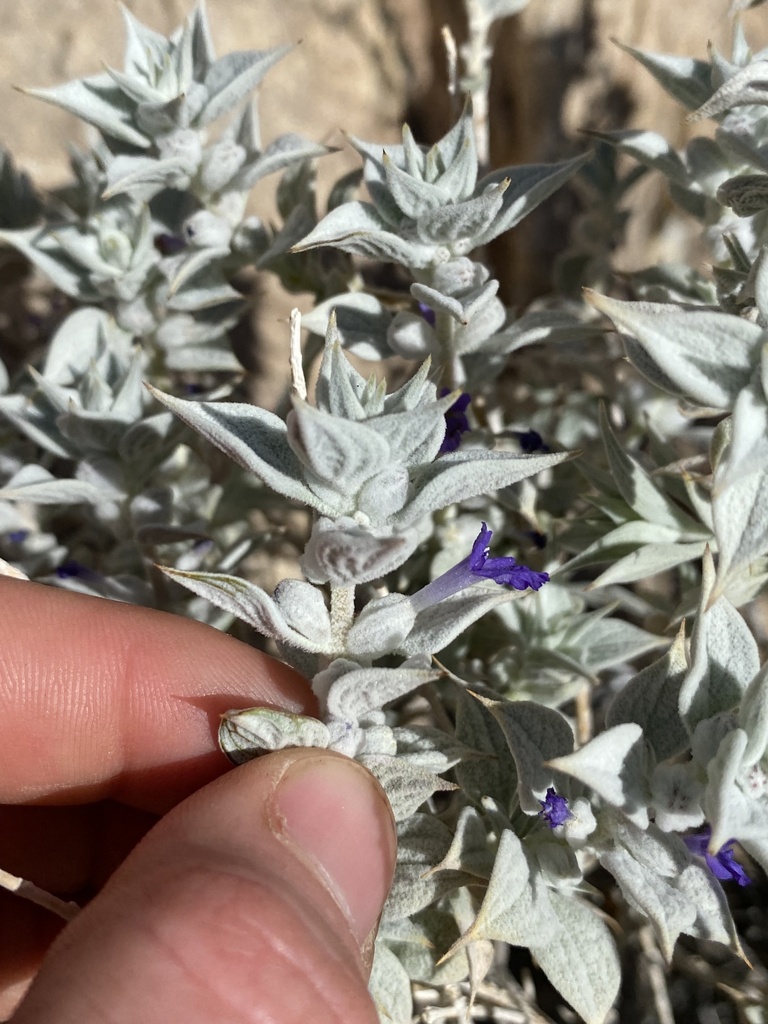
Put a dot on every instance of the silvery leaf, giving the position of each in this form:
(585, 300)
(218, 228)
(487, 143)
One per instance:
(381, 626)
(464, 222)
(724, 657)
(613, 765)
(529, 185)
(362, 322)
(676, 795)
(51, 491)
(232, 77)
(247, 601)
(419, 943)
(354, 694)
(470, 850)
(431, 748)
(97, 100)
(304, 610)
(753, 717)
(581, 959)
(422, 842)
(464, 474)
(344, 553)
(648, 148)
(339, 452)
(748, 85)
(740, 490)
(244, 735)
(648, 561)
(684, 78)
(639, 491)
(279, 154)
(651, 699)
(256, 439)
(357, 227)
(536, 735)
(478, 729)
(726, 806)
(437, 626)
(653, 895)
(390, 987)
(516, 907)
(407, 786)
(41, 247)
(708, 356)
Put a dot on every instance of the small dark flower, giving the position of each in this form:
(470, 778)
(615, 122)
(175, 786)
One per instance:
(72, 568)
(722, 864)
(427, 312)
(531, 442)
(17, 536)
(169, 245)
(554, 809)
(478, 566)
(538, 540)
(456, 422)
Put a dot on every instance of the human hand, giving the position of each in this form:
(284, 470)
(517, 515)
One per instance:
(253, 893)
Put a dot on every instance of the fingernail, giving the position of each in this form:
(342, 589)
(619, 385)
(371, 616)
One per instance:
(335, 812)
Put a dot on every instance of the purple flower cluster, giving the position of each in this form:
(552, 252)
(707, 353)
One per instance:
(722, 864)
(478, 566)
(456, 422)
(554, 809)
(531, 442)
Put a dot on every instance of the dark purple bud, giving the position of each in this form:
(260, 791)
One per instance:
(531, 442)
(554, 809)
(456, 422)
(72, 568)
(169, 245)
(17, 536)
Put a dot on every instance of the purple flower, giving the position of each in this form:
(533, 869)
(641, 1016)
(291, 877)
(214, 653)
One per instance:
(478, 566)
(554, 809)
(72, 568)
(18, 536)
(427, 312)
(722, 864)
(531, 442)
(456, 422)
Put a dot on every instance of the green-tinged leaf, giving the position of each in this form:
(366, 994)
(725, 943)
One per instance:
(639, 491)
(753, 717)
(244, 735)
(535, 735)
(496, 777)
(516, 907)
(648, 561)
(708, 356)
(407, 786)
(422, 843)
(581, 960)
(613, 765)
(651, 700)
(390, 987)
(724, 657)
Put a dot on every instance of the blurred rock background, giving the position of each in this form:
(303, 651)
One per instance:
(367, 65)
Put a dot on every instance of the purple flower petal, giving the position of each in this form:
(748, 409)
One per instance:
(478, 566)
(722, 864)
(554, 809)
(456, 422)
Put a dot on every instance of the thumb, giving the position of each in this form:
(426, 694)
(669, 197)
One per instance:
(250, 901)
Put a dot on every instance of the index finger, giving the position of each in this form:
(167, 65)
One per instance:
(100, 699)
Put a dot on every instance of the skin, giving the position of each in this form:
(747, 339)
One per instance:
(249, 894)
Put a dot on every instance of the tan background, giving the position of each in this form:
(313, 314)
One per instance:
(365, 65)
